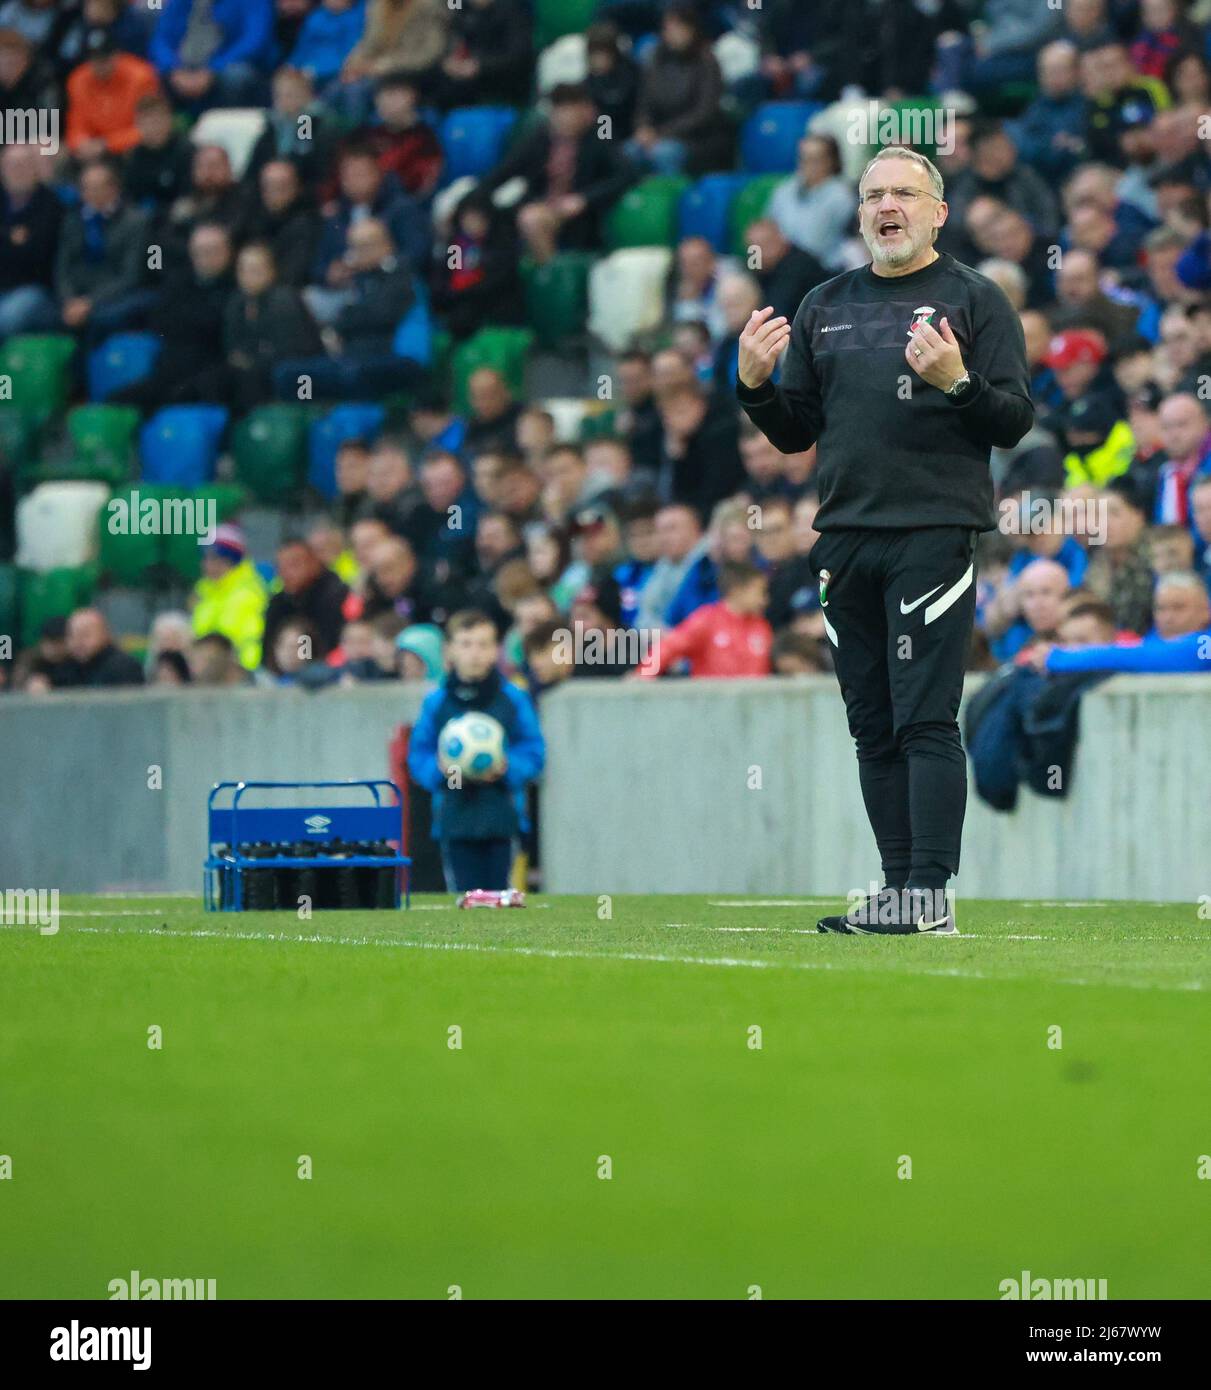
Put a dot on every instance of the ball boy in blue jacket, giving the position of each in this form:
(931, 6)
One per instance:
(475, 821)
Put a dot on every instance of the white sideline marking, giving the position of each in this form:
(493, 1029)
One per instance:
(787, 931)
(770, 902)
(655, 957)
(127, 912)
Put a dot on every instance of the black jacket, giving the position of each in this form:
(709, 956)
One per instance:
(122, 263)
(110, 666)
(293, 235)
(710, 469)
(381, 298)
(894, 451)
(319, 605)
(602, 174)
(29, 237)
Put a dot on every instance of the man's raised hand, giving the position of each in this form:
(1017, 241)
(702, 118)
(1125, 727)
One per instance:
(761, 344)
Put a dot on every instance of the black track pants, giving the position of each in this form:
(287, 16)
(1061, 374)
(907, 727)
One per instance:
(898, 611)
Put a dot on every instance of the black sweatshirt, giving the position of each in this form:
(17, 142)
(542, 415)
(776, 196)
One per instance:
(893, 450)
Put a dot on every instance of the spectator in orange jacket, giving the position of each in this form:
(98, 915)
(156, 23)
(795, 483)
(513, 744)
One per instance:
(728, 638)
(102, 94)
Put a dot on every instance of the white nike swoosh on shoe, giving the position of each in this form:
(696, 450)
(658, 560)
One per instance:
(923, 925)
(916, 603)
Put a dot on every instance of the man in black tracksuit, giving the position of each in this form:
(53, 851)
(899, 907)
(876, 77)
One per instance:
(905, 374)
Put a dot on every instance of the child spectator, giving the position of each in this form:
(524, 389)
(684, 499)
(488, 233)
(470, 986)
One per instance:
(728, 638)
(476, 821)
(405, 145)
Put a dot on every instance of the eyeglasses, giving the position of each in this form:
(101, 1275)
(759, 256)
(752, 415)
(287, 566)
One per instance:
(874, 196)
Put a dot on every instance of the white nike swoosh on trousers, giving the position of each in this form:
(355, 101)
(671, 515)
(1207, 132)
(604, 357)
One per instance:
(916, 603)
(939, 606)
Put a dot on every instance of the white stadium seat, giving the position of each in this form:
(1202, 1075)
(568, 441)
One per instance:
(626, 294)
(568, 412)
(236, 128)
(57, 525)
(565, 60)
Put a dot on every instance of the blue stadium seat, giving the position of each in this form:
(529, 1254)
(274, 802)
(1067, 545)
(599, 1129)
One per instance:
(473, 139)
(769, 140)
(705, 209)
(120, 361)
(180, 444)
(414, 336)
(328, 433)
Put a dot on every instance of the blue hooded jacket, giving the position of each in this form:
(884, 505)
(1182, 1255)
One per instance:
(478, 810)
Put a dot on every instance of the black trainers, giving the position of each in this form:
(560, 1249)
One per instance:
(896, 912)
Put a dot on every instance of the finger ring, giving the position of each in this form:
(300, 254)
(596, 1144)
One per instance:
(917, 351)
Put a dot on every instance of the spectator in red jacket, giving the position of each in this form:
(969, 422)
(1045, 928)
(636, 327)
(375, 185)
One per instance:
(728, 638)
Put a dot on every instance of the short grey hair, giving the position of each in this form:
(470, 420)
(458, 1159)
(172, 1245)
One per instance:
(914, 157)
(1181, 579)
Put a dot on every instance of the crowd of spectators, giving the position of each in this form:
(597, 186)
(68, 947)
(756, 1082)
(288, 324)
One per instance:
(1076, 175)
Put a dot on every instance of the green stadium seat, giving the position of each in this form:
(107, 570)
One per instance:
(506, 349)
(557, 297)
(103, 436)
(646, 215)
(555, 18)
(183, 554)
(54, 594)
(10, 606)
(269, 447)
(105, 430)
(39, 365)
(750, 204)
(133, 558)
(18, 439)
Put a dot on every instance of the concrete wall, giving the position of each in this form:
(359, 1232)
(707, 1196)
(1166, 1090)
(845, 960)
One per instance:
(752, 787)
(728, 787)
(78, 814)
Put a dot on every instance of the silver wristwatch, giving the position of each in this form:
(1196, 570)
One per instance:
(959, 384)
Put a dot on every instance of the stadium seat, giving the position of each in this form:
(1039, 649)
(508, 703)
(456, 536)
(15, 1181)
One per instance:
(180, 444)
(57, 525)
(769, 139)
(55, 594)
(104, 437)
(565, 60)
(626, 294)
(750, 204)
(473, 139)
(269, 447)
(555, 18)
(18, 439)
(646, 215)
(414, 336)
(598, 422)
(10, 607)
(40, 368)
(120, 361)
(182, 553)
(705, 209)
(557, 296)
(568, 412)
(134, 556)
(506, 349)
(235, 128)
(352, 420)
(738, 56)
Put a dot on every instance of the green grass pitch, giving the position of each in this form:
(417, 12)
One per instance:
(585, 1037)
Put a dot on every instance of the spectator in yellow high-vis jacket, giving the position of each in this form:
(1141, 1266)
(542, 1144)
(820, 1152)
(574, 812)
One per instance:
(231, 596)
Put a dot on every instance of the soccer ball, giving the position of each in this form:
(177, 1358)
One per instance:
(473, 743)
